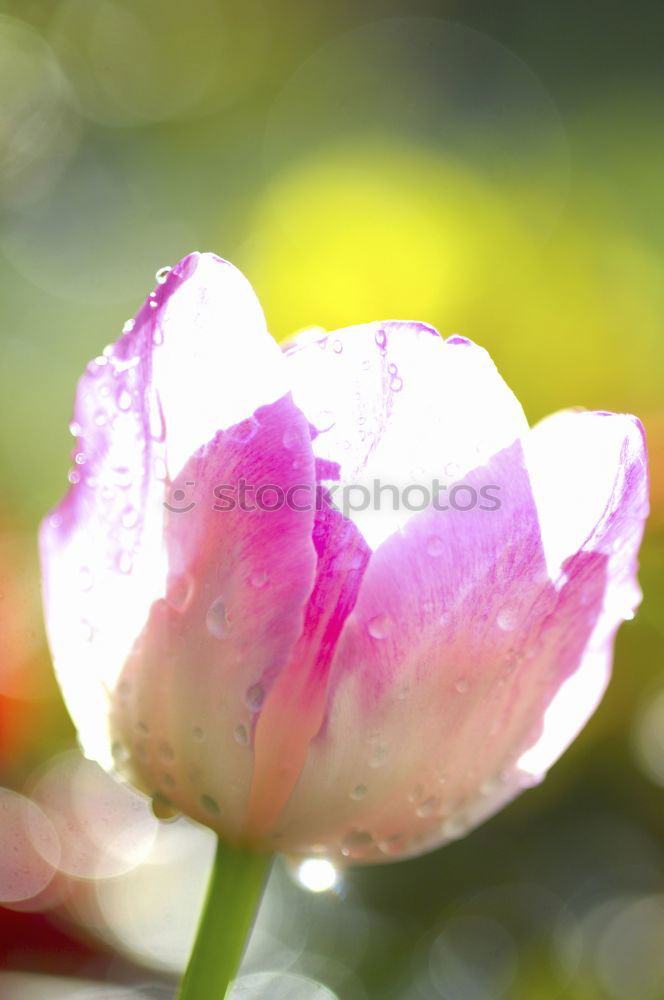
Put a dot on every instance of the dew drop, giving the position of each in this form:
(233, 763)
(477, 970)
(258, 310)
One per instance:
(429, 807)
(124, 562)
(395, 844)
(241, 734)
(258, 579)
(291, 438)
(379, 756)
(396, 383)
(163, 808)
(454, 827)
(100, 418)
(119, 753)
(209, 804)
(379, 626)
(179, 590)
(157, 424)
(254, 697)
(435, 545)
(507, 619)
(359, 793)
(74, 428)
(216, 619)
(129, 326)
(461, 685)
(79, 458)
(123, 399)
(366, 365)
(74, 477)
(155, 305)
(381, 339)
(166, 751)
(337, 346)
(357, 844)
(197, 734)
(122, 476)
(129, 517)
(244, 431)
(162, 274)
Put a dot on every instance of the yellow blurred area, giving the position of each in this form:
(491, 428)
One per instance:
(378, 231)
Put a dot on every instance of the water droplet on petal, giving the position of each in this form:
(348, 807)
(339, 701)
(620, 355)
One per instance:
(162, 808)
(197, 734)
(254, 697)
(461, 685)
(507, 619)
(124, 561)
(396, 383)
(157, 424)
(381, 339)
(79, 458)
(357, 844)
(123, 399)
(154, 305)
(209, 804)
(454, 827)
(74, 428)
(244, 431)
(435, 545)
(166, 751)
(122, 477)
(217, 620)
(179, 591)
(337, 346)
(379, 756)
(395, 844)
(129, 325)
(359, 793)
(379, 626)
(258, 579)
(119, 753)
(429, 807)
(291, 438)
(162, 274)
(100, 418)
(73, 476)
(129, 517)
(241, 734)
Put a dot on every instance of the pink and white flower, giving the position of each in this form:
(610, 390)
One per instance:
(364, 686)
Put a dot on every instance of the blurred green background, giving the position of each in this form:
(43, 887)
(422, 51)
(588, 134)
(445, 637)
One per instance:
(494, 169)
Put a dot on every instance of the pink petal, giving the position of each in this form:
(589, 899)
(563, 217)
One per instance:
(213, 648)
(196, 359)
(455, 654)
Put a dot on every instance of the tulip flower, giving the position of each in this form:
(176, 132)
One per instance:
(247, 637)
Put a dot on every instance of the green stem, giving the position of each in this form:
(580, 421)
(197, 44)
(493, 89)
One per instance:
(236, 886)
